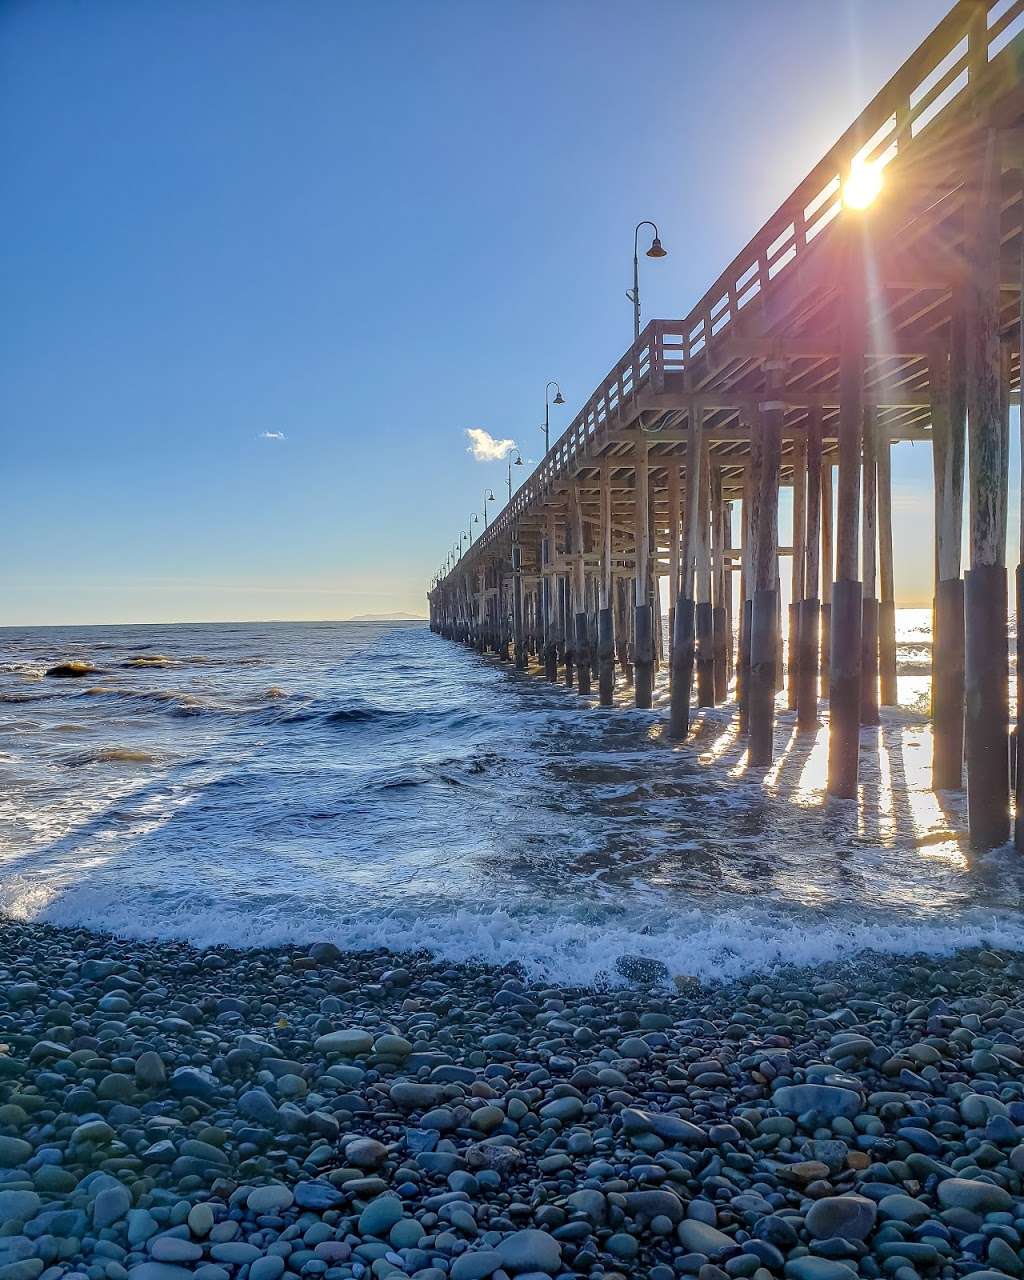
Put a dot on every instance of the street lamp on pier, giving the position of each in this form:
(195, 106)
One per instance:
(547, 412)
(655, 251)
(488, 497)
(518, 463)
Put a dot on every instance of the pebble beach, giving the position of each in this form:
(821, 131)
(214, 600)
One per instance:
(167, 1112)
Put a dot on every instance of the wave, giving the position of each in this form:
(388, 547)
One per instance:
(151, 660)
(73, 670)
(175, 702)
(572, 950)
(112, 755)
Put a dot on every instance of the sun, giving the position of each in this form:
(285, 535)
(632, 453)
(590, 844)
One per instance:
(862, 186)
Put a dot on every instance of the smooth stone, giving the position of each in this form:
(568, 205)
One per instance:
(391, 1046)
(258, 1105)
(349, 1043)
(380, 1215)
(699, 1237)
(975, 1196)
(317, 1195)
(903, 1208)
(366, 1153)
(236, 1252)
(530, 1250)
(200, 1219)
(110, 1206)
(413, 1095)
(652, 1204)
(191, 1082)
(14, 1151)
(812, 1268)
(849, 1216)
(476, 1265)
(267, 1268)
(19, 1206)
(269, 1199)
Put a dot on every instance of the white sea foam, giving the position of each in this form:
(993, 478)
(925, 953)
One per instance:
(711, 946)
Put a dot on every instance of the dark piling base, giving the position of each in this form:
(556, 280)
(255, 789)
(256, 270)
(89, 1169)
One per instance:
(704, 623)
(825, 668)
(807, 681)
(644, 656)
(793, 656)
(1018, 781)
(551, 661)
(605, 656)
(948, 644)
(681, 669)
(743, 670)
(764, 656)
(987, 698)
(720, 629)
(887, 653)
(582, 654)
(844, 682)
(869, 662)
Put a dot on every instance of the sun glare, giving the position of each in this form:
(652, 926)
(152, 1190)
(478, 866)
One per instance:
(862, 186)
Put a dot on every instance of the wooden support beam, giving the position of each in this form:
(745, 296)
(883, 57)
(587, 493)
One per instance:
(703, 615)
(869, 571)
(827, 577)
(886, 584)
(722, 639)
(810, 607)
(684, 621)
(985, 599)
(796, 580)
(1018, 813)
(674, 533)
(845, 632)
(643, 622)
(764, 614)
(548, 600)
(751, 496)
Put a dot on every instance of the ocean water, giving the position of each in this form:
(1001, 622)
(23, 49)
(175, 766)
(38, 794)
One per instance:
(374, 784)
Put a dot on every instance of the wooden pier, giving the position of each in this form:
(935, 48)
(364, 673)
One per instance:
(882, 302)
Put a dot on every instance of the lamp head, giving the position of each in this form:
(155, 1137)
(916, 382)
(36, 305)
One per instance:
(518, 462)
(490, 496)
(558, 397)
(657, 249)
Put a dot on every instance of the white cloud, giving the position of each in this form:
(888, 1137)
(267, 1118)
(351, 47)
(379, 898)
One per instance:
(271, 435)
(484, 447)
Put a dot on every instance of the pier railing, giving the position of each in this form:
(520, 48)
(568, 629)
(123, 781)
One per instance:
(976, 48)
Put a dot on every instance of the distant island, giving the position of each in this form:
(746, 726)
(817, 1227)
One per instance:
(387, 617)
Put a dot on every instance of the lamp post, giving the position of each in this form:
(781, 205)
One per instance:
(473, 519)
(547, 423)
(518, 463)
(655, 251)
(488, 497)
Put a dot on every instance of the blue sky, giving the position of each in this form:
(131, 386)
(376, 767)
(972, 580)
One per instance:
(367, 227)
